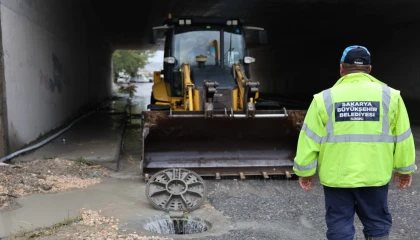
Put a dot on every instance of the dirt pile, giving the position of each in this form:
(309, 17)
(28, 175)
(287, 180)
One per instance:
(45, 176)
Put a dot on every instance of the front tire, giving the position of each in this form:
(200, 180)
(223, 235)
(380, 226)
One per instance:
(152, 99)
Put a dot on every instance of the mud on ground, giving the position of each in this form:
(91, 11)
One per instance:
(45, 176)
(90, 225)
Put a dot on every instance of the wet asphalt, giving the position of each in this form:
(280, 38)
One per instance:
(280, 209)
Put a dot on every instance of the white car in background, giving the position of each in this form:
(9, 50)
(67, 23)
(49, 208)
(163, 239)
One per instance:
(140, 79)
(121, 80)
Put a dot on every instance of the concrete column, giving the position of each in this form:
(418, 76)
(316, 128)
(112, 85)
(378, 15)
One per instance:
(3, 105)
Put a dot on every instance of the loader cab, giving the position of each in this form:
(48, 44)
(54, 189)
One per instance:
(221, 45)
(209, 45)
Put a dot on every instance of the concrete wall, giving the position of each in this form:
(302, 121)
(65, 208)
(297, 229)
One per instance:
(48, 61)
(397, 62)
(291, 67)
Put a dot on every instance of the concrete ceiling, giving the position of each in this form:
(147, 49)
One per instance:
(126, 23)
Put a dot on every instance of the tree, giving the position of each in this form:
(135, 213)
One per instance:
(130, 89)
(130, 61)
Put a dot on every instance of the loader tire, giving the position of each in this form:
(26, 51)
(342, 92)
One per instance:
(152, 99)
(156, 107)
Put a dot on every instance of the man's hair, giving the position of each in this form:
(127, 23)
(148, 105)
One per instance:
(355, 68)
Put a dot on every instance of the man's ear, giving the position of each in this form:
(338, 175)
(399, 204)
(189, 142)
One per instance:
(341, 70)
(370, 68)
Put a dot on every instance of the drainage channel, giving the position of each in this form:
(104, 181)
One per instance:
(178, 192)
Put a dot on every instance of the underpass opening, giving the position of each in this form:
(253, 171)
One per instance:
(133, 76)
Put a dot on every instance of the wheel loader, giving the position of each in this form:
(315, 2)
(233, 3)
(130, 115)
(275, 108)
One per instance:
(206, 114)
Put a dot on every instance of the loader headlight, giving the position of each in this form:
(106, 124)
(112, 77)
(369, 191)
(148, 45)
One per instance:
(181, 22)
(249, 59)
(170, 60)
(232, 22)
(188, 21)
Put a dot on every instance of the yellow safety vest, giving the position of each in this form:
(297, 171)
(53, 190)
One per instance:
(356, 133)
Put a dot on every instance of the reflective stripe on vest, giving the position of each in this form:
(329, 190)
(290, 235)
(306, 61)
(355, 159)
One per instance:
(407, 169)
(355, 137)
(310, 166)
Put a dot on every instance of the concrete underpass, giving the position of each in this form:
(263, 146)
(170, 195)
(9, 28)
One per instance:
(56, 60)
(56, 65)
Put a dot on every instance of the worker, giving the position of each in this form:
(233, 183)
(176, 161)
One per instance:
(356, 134)
(202, 47)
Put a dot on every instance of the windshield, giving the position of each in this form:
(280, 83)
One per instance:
(234, 48)
(188, 45)
(196, 41)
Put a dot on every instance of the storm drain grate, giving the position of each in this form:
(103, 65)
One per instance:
(166, 225)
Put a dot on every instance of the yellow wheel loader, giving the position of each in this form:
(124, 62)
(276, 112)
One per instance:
(205, 113)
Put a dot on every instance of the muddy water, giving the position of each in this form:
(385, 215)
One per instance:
(123, 199)
(142, 97)
(122, 196)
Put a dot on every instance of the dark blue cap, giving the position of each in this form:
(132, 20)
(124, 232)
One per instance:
(356, 55)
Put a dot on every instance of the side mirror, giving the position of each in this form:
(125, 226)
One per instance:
(156, 31)
(170, 60)
(249, 60)
(253, 39)
(263, 37)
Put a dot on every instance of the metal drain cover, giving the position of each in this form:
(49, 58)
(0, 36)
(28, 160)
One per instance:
(176, 189)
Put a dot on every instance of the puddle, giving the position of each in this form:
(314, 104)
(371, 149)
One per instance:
(121, 198)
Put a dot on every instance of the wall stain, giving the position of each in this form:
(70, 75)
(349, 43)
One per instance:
(44, 80)
(58, 73)
(55, 82)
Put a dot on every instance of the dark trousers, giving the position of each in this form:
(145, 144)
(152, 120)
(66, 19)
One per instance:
(369, 203)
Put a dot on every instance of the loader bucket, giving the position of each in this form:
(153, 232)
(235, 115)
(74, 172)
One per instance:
(219, 147)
